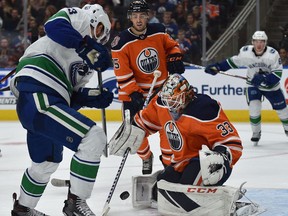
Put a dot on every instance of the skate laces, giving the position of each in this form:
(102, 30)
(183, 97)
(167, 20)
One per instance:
(83, 208)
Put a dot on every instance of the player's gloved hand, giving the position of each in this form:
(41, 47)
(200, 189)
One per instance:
(175, 64)
(137, 100)
(91, 97)
(258, 79)
(94, 54)
(213, 69)
(215, 165)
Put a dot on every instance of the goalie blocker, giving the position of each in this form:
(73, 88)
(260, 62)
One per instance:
(127, 136)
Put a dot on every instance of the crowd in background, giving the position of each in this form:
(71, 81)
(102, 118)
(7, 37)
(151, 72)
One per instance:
(182, 19)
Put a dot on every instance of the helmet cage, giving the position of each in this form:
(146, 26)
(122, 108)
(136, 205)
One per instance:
(176, 93)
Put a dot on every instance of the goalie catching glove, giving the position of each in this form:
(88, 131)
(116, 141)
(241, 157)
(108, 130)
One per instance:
(215, 165)
(94, 54)
(127, 136)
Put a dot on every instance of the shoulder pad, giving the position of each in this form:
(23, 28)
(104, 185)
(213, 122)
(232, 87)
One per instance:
(120, 40)
(153, 28)
(203, 107)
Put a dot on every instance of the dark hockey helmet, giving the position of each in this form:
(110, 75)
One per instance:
(138, 6)
(176, 93)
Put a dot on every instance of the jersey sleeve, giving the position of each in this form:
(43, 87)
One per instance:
(67, 27)
(148, 118)
(240, 60)
(224, 134)
(171, 45)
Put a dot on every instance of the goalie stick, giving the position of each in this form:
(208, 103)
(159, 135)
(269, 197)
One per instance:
(66, 183)
(106, 208)
(220, 72)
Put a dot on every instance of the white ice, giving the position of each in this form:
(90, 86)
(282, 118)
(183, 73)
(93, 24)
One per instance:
(264, 168)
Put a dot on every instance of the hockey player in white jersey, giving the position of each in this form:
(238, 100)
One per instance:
(264, 71)
(50, 87)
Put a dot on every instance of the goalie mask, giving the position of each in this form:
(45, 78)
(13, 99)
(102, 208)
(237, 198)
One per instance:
(176, 93)
(259, 41)
(99, 17)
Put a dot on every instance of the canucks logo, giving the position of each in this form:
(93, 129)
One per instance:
(174, 136)
(77, 71)
(148, 60)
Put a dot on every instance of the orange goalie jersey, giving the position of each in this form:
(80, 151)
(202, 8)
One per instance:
(135, 58)
(203, 122)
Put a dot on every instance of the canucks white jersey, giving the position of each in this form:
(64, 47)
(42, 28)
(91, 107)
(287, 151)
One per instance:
(52, 59)
(269, 62)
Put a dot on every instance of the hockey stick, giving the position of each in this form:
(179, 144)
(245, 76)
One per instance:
(103, 113)
(106, 208)
(64, 183)
(220, 72)
(8, 75)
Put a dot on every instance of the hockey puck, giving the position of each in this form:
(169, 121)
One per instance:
(124, 195)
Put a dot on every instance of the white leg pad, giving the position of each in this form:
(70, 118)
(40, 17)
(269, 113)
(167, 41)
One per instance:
(177, 199)
(142, 190)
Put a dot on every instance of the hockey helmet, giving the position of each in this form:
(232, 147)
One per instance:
(260, 35)
(176, 93)
(137, 6)
(99, 16)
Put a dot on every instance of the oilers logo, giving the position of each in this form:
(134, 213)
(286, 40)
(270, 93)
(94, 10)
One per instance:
(148, 60)
(174, 136)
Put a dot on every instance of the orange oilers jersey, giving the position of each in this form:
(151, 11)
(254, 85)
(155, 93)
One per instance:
(203, 122)
(135, 58)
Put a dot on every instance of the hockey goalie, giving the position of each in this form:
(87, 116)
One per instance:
(205, 147)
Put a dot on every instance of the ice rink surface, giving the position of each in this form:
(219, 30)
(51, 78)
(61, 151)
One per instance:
(264, 168)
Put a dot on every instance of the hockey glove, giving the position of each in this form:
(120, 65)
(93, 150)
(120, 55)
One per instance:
(258, 79)
(95, 55)
(91, 97)
(213, 69)
(137, 100)
(215, 166)
(175, 64)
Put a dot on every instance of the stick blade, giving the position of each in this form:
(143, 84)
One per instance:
(105, 209)
(60, 182)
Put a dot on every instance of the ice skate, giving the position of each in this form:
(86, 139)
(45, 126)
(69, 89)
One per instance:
(286, 132)
(74, 205)
(19, 210)
(147, 165)
(256, 137)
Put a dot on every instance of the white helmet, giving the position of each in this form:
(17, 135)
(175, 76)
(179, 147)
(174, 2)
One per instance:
(98, 15)
(260, 35)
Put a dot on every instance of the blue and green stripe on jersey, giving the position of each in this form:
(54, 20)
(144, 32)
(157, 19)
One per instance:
(60, 116)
